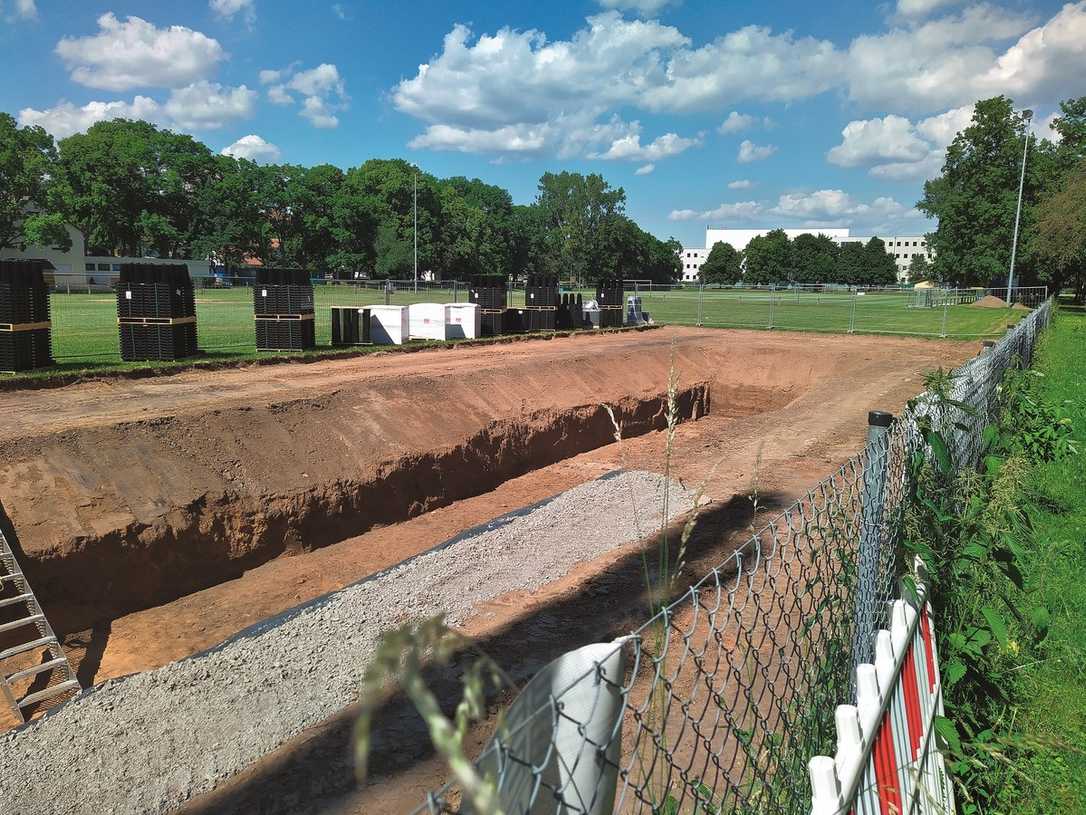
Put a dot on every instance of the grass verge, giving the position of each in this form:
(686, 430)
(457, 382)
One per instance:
(1051, 714)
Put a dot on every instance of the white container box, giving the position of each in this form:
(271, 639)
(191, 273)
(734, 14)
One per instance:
(428, 321)
(388, 325)
(465, 321)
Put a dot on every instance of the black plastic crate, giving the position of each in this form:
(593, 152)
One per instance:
(350, 326)
(515, 321)
(24, 294)
(610, 292)
(490, 323)
(284, 335)
(141, 342)
(489, 292)
(277, 276)
(25, 350)
(541, 291)
(282, 298)
(155, 301)
(542, 319)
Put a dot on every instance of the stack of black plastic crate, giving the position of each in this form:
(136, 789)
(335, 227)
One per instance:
(490, 293)
(570, 314)
(24, 316)
(283, 308)
(156, 312)
(609, 295)
(541, 302)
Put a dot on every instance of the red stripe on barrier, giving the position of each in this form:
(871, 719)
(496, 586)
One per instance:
(925, 630)
(886, 780)
(912, 701)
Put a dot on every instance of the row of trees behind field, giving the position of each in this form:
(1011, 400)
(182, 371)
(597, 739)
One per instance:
(134, 189)
(774, 259)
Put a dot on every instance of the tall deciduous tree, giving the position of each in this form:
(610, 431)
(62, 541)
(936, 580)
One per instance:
(132, 188)
(919, 268)
(879, 266)
(815, 258)
(27, 166)
(851, 263)
(975, 198)
(724, 265)
(769, 259)
(1061, 234)
(580, 214)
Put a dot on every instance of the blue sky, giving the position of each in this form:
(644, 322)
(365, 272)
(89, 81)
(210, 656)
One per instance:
(719, 112)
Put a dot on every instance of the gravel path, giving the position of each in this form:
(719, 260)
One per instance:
(147, 743)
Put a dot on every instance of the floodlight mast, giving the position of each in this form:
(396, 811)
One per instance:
(1028, 114)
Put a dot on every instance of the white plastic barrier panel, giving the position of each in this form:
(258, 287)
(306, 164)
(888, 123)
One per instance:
(388, 325)
(465, 321)
(428, 321)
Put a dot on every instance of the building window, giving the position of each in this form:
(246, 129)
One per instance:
(103, 267)
(90, 267)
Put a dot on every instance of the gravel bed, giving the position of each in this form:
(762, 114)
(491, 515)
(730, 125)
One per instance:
(149, 742)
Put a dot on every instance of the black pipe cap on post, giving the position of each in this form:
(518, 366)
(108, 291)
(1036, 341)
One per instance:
(988, 343)
(879, 418)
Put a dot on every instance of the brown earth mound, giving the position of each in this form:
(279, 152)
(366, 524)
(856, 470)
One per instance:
(989, 301)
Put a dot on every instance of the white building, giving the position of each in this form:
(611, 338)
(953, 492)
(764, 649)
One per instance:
(76, 269)
(693, 258)
(902, 247)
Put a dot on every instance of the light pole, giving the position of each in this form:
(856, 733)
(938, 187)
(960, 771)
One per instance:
(1028, 114)
(416, 234)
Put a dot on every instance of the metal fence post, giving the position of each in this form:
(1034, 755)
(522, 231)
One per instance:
(946, 308)
(701, 296)
(852, 315)
(772, 301)
(868, 591)
(388, 292)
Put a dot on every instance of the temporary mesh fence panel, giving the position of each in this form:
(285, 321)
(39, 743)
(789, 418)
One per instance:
(84, 320)
(731, 688)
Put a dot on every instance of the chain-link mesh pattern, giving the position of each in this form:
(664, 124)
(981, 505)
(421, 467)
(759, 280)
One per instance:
(731, 688)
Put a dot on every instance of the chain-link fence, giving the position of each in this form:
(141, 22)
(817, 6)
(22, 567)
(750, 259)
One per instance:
(84, 311)
(715, 704)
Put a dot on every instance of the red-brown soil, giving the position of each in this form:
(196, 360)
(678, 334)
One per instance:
(126, 495)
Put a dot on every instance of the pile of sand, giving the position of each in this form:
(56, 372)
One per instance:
(990, 301)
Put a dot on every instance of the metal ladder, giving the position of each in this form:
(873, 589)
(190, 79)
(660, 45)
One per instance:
(32, 633)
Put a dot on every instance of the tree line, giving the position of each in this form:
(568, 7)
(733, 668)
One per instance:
(775, 259)
(134, 189)
(976, 195)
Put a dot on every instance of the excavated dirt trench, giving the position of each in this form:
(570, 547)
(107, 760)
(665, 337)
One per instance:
(119, 503)
(218, 537)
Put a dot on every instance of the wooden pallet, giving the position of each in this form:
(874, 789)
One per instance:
(289, 316)
(155, 320)
(12, 328)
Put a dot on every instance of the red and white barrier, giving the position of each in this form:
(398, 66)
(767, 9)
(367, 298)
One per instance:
(887, 762)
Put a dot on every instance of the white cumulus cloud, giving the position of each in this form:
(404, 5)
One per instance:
(740, 184)
(629, 147)
(749, 151)
(253, 148)
(322, 89)
(645, 169)
(894, 148)
(737, 122)
(64, 118)
(209, 105)
(134, 54)
(228, 9)
(200, 106)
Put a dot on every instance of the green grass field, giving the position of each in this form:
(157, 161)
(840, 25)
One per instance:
(85, 325)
